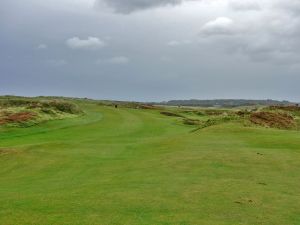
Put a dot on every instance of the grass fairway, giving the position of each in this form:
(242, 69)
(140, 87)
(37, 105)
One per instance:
(138, 167)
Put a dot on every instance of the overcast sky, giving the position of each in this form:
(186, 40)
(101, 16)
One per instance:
(151, 50)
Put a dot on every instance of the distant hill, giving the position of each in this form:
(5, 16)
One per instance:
(225, 103)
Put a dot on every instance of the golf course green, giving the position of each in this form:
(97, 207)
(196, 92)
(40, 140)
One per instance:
(126, 166)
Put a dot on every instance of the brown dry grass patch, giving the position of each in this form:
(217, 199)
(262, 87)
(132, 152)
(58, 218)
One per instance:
(6, 151)
(272, 119)
(17, 117)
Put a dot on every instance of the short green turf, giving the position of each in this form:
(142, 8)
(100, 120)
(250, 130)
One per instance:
(138, 167)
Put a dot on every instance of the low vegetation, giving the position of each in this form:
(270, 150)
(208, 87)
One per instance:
(225, 103)
(273, 119)
(289, 108)
(279, 117)
(171, 114)
(24, 112)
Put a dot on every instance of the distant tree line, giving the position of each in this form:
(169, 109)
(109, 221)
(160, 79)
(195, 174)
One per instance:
(224, 103)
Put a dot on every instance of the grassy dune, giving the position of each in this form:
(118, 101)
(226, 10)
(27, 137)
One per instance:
(138, 167)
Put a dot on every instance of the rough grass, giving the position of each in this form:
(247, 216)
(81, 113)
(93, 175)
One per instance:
(5, 151)
(273, 119)
(191, 121)
(24, 112)
(137, 167)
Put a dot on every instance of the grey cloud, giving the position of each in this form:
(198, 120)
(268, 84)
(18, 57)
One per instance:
(166, 59)
(293, 6)
(117, 60)
(219, 26)
(56, 62)
(244, 5)
(262, 48)
(91, 43)
(265, 52)
(175, 43)
(42, 46)
(271, 37)
(128, 6)
(277, 58)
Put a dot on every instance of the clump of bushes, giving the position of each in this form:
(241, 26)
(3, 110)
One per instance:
(147, 106)
(170, 114)
(214, 112)
(191, 121)
(44, 105)
(47, 111)
(273, 119)
(24, 112)
(204, 124)
(200, 113)
(243, 113)
(214, 121)
(62, 106)
(15, 102)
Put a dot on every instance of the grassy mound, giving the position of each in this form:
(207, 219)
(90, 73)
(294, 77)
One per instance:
(273, 119)
(280, 117)
(24, 112)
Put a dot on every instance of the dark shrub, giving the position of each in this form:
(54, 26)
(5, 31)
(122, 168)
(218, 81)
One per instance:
(171, 114)
(63, 106)
(191, 122)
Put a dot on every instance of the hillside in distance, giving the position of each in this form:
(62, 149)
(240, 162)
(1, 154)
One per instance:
(225, 103)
